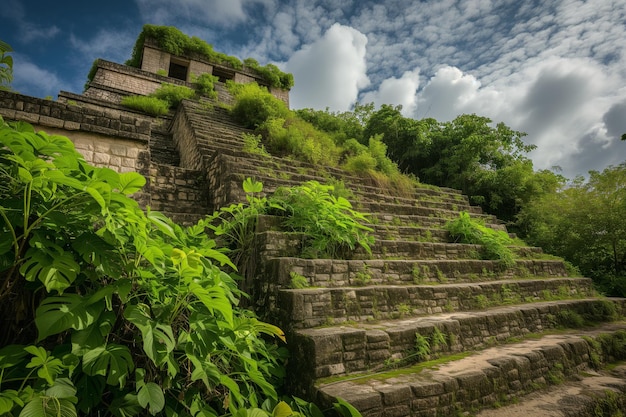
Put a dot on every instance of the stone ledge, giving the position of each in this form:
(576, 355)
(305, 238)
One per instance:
(307, 308)
(475, 382)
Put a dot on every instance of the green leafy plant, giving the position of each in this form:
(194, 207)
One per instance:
(151, 105)
(252, 144)
(173, 94)
(363, 277)
(422, 346)
(464, 229)
(331, 227)
(205, 85)
(298, 281)
(438, 339)
(112, 309)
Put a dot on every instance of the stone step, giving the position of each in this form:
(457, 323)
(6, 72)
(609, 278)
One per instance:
(280, 168)
(311, 307)
(479, 380)
(383, 344)
(592, 393)
(274, 167)
(277, 243)
(333, 273)
(162, 149)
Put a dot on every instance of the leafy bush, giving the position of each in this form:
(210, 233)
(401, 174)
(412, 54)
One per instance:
(466, 230)
(132, 314)
(331, 228)
(205, 85)
(271, 73)
(6, 66)
(172, 40)
(294, 136)
(146, 104)
(254, 105)
(172, 94)
(92, 73)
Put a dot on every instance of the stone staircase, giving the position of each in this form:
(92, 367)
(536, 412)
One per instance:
(422, 326)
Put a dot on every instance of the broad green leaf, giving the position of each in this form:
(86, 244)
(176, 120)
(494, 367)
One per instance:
(56, 271)
(131, 182)
(126, 406)
(45, 406)
(12, 355)
(254, 412)
(70, 311)
(48, 367)
(8, 399)
(158, 338)
(257, 377)
(151, 396)
(162, 223)
(112, 361)
(87, 339)
(213, 298)
(252, 186)
(235, 392)
(269, 329)
(62, 388)
(204, 370)
(345, 408)
(282, 409)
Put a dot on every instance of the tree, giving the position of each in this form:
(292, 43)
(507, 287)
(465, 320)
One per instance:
(585, 223)
(6, 66)
(487, 163)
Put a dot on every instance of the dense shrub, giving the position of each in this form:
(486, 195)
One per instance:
(205, 85)
(173, 94)
(254, 105)
(464, 229)
(151, 105)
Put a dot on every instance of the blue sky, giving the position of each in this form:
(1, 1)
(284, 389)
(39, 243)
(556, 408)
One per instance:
(554, 69)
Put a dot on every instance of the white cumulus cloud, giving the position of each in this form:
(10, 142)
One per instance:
(330, 72)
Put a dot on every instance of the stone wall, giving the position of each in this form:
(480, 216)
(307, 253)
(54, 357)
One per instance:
(350, 349)
(105, 137)
(124, 80)
(184, 139)
(179, 191)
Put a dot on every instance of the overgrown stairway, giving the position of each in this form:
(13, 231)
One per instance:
(422, 326)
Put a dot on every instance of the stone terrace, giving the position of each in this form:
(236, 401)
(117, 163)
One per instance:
(355, 331)
(371, 328)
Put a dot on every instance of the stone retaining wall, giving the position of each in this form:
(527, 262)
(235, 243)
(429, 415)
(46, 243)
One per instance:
(449, 395)
(323, 352)
(334, 273)
(106, 137)
(317, 307)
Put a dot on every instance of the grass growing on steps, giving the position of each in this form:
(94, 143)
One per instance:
(496, 243)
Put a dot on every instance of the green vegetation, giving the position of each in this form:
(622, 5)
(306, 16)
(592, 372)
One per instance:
(114, 311)
(150, 105)
(298, 281)
(177, 43)
(6, 66)
(173, 94)
(205, 85)
(158, 103)
(464, 229)
(285, 133)
(584, 223)
(329, 226)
